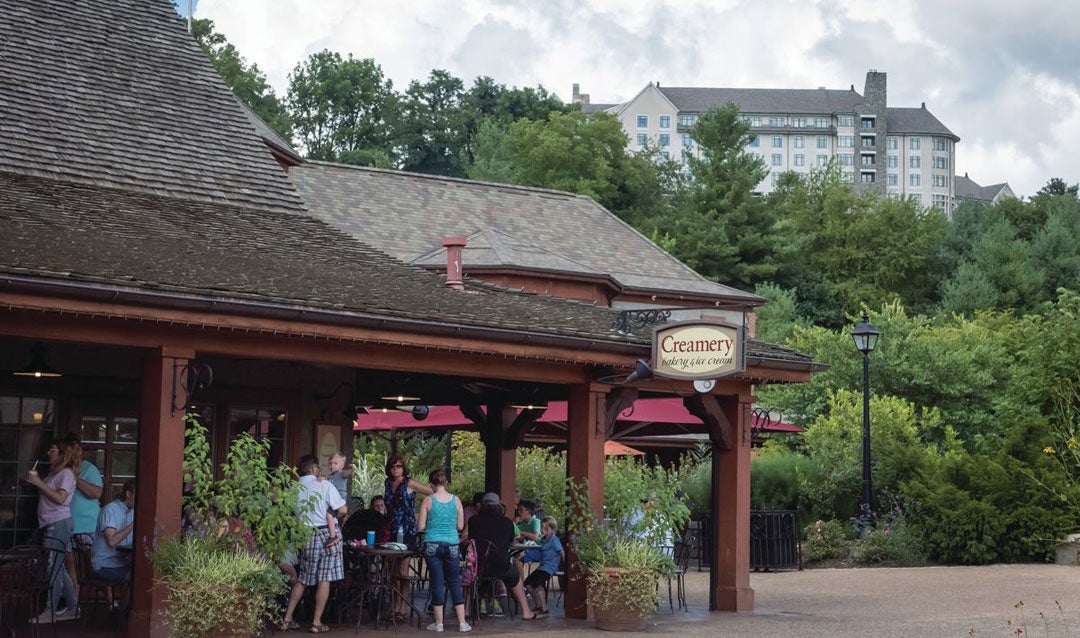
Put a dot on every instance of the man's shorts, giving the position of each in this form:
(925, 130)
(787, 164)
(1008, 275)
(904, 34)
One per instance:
(539, 578)
(319, 564)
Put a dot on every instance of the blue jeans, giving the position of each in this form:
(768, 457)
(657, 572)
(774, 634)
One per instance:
(57, 536)
(440, 557)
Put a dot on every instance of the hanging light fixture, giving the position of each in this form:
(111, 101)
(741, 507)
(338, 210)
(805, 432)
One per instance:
(401, 398)
(38, 367)
(539, 405)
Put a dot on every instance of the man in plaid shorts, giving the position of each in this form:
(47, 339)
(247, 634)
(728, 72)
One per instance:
(321, 562)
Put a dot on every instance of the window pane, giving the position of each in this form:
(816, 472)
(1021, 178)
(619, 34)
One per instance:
(123, 463)
(35, 411)
(9, 441)
(93, 428)
(125, 430)
(95, 456)
(9, 410)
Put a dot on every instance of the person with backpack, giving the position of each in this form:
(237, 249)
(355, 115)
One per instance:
(441, 519)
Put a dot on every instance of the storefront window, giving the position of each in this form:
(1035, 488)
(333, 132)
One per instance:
(26, 423)
(261, 423)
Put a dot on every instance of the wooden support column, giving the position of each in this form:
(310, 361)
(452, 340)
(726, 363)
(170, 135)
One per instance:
(585, 462)
(729, 575)
(159, 494)
(500, 468)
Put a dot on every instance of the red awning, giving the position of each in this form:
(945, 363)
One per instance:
(665, 410)
(614, 448)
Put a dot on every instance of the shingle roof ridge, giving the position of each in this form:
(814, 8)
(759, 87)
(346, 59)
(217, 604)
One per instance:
(444, 178)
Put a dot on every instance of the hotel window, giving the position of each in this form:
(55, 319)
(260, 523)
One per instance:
(822, 141)
(777, 159)
(798, 122)
(690, 120)
(822, 160)
(939, 143)
(914, 180)
(849, 177)
(846, 120)
(687, 141)
(799, 141)
(892, 180)
(940, 181)
(941, 202)
(846, 159)
(867, 159)
(777, 120)
(665, 121)
(915, 144)
(868, 122)
(866, 177)
(917, 198)
(755, 141)
(892, 161)
(800, 160)
(755, 120)
(643, 121)
(914, 161)
(941, 163)
(821, 122)
(642, 139)
(665, 140)
(892, 143)
(775, 178)
(846, 141)
(868, 141)
(777, 141)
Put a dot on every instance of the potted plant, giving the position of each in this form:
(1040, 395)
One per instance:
(620, 561)
(221, 572)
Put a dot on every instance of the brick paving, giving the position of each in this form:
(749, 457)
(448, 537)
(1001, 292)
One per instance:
(838, 603)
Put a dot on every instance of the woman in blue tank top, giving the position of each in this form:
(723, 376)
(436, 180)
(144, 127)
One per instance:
(441, 518)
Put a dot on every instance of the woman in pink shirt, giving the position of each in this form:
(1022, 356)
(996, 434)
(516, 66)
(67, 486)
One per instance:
(54, 518)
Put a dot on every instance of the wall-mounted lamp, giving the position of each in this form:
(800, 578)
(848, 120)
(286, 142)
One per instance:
(642, 372)
(38, 367)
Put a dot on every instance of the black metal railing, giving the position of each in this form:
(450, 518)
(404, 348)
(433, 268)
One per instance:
(774, 540)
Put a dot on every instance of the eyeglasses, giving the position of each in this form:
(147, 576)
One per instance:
(397, 465)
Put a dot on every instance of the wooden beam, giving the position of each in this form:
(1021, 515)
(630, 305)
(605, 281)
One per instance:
(617, 401)
(159, 494)
(729, 575)
(707, 408)
(524, 422)
(586, 419)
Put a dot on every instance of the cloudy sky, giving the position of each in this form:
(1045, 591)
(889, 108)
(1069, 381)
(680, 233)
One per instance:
(1001, 74)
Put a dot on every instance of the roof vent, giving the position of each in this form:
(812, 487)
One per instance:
(455, 245)
(852, 87)
(924, 106)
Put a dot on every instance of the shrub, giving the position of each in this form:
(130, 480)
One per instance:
(780, 481)
(875, 548)
(824, 540)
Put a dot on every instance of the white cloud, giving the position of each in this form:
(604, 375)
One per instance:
(1000, 74)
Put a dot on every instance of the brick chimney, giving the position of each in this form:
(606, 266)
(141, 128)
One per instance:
(454, 246)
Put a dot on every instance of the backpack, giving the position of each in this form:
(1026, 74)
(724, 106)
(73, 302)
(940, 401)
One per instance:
(469, 562)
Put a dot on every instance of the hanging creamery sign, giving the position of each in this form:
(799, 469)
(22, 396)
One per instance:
(698, 350)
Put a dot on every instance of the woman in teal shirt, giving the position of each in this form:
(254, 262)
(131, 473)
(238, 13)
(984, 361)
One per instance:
(441, 518)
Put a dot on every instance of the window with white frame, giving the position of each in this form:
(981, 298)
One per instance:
(892, 161)
(799, 141)
(800, 160)
(821, 122)
(642, 139)
(846, 120)
(665, 121)
(940, 181)
(914, 161)
(867, 122)
(941, 202)
(866, 177)
(848, 176)
(777, 141)
(691, 119)
(867, 159)
(665, 140)
(643, 121)
(915, 144)
(939, 143)
(941, 163)
(822, 141)
(846, 159)
(891, 179)
(892, 143)
(822, 160)
(798, 122)
(777, 159)
(845, 141)
(687, 140)
(914, 180)
(917, 198)
(777, 120)
(755, 120)
(868, 141)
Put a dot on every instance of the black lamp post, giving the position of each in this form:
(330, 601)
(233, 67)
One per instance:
(865, 336)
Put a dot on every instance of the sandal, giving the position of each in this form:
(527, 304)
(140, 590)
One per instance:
(319, 629)
(292, 625)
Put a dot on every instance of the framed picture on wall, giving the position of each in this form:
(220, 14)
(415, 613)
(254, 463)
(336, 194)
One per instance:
(327, 441)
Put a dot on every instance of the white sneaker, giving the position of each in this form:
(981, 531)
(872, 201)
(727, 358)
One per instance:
(68, 614)
(463, 627)
(44, 618)
(435, 626)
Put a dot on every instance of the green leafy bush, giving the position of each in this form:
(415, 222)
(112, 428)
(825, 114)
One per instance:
(781, 480)
(824, 540)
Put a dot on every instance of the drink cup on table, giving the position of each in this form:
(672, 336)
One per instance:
(370, 537)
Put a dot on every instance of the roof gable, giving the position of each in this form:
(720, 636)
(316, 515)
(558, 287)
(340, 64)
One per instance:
(649, 88)
(408, 215)
(118, 94)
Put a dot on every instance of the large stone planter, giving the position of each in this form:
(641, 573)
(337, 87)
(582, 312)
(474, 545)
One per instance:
(618, 617)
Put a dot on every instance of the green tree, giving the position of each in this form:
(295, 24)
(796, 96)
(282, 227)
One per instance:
(723, 230)
(245, 80)
(343, 108)
(433, 129)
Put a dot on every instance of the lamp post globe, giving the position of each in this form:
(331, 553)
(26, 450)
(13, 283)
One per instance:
(866, 336)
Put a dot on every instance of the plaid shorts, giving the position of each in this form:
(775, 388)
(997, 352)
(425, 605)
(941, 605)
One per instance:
(319, 564)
